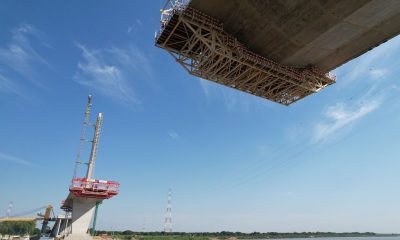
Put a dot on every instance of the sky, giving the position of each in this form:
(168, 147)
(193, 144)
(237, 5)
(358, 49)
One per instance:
(234, 162)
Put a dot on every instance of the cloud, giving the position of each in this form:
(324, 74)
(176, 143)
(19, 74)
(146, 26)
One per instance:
(233, 99)
(263, 149)
(289, 193)
(173, 135)
(129, 30)
(373, 66)
(374, 61)
(8, 86)
(376, 64)
(107, 71)
(378, 73)
(205, 86)
(135, 27)
(341, 115)
(9, 158)
(295, 132)
(21, 56)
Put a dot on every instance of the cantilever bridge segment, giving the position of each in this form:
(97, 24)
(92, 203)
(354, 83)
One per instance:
(279, 50)
(85, 193)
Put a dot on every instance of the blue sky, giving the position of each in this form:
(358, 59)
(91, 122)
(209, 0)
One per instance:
(234, 161)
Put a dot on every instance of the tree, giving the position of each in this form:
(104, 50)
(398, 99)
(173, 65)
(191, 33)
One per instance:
(17, 228)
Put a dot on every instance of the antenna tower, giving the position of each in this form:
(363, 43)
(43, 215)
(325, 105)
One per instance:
(9, 208)
(168, 216)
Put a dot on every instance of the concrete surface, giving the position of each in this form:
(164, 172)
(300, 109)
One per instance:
(323, 33)
(82, 214)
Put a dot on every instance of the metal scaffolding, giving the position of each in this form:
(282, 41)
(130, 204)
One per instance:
(199, 43)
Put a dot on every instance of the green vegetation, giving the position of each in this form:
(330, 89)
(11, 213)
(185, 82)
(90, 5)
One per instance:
(225, 235)
(17, 228)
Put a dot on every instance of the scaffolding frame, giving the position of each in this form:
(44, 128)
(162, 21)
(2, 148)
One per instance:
(199, 43)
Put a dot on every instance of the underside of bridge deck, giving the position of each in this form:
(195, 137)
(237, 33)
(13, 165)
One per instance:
(279, 50)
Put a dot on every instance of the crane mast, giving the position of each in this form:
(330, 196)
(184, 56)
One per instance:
(87, 186)
(86, 122)
(97, 129)
(95, 143)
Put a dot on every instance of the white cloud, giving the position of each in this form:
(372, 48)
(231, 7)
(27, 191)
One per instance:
(372, 61)
(205, 86)
(20, 55)
(9, 158)
(107, 71)
(173, 135)
(263, 149)
(8, 86)
(378, 73)
(139, 22)
(135, 27)
(129, 30)
(233, 99)
(341, 115)
(289, 193)
(295, 132)
(372, 65)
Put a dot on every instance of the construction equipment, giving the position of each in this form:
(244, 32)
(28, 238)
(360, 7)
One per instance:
(87, 186)
(278, 50)
(85, 192)
(202, 46)
(46, 217)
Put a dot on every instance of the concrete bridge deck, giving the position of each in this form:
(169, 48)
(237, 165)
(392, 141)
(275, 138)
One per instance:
(322, 33)
(281, 50)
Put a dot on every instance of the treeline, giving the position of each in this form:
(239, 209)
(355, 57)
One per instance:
(253, 235)
(17, 228)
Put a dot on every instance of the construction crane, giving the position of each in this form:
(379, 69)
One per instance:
(46, 217)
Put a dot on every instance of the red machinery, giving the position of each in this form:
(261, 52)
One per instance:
(87, 187)
(91, 188)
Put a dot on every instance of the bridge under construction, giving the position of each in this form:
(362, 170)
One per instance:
(85, 194)
(279, 50)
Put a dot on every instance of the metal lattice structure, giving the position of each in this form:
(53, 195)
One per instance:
(168, 214)
(9, 208)
(87, 187)
(199, 43)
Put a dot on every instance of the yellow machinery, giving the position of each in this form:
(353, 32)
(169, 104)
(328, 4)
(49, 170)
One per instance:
(45, 217)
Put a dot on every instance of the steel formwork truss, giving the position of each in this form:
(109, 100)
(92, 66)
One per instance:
(199, 43)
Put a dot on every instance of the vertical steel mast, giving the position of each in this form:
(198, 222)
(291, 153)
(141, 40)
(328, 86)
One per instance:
(85, 192)
(86, 122)
(168, 215)
(9, 208)
(95, 143)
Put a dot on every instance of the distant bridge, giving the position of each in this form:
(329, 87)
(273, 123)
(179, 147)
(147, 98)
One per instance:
(280, 50)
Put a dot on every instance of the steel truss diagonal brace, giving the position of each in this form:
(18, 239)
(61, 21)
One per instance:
(199, 43)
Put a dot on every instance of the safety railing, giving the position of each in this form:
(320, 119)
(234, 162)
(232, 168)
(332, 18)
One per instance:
(167, 11)
(94, 188)
(331, 75)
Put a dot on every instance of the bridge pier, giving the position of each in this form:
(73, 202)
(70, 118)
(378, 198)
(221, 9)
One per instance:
(82, 214)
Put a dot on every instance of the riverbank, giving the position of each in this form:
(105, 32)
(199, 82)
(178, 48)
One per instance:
(234, 235)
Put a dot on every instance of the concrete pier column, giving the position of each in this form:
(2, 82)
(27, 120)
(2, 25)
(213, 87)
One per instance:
(83, 209)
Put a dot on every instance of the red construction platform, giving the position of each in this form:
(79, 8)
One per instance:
(93, 188)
